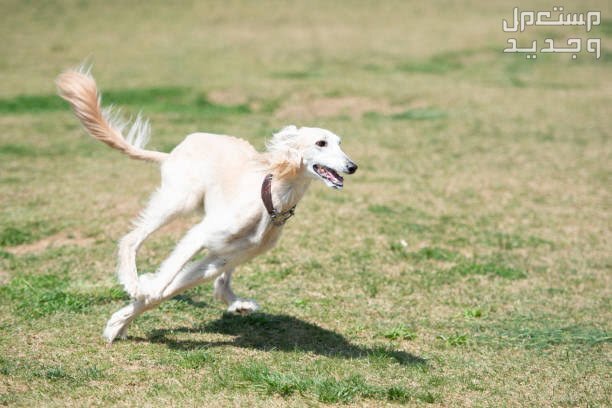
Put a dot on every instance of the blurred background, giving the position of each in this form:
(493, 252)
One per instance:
(474, 237)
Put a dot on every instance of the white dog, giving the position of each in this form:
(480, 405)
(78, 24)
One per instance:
(246, 196)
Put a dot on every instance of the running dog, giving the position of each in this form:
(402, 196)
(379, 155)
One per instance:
(246, 197)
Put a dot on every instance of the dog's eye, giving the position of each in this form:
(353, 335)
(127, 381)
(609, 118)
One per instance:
(321, 143)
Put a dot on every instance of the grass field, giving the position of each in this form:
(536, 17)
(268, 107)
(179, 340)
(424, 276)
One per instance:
(467, 262)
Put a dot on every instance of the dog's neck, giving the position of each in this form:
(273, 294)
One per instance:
(289, 178)
(288, 191)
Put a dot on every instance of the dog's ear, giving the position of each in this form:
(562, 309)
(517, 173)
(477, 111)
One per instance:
(287, 159)
(282, 140)
(287, 132)
(287, 163)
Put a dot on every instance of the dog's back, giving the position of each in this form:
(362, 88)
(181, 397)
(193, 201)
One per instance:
(213, 165)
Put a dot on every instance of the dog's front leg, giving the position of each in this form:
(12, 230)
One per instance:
(223, 292)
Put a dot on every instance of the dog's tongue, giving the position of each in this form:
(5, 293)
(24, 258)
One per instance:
(333, 176)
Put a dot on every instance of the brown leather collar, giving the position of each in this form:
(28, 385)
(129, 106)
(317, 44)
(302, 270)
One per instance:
(278, 218)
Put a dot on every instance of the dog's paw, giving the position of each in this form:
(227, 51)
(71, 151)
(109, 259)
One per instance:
(116, 327)
(243, 306)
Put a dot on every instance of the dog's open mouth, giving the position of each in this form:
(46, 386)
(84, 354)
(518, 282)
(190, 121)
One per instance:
(330, 175)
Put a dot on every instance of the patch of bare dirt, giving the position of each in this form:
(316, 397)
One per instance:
(4, 277)
(54, 241)
(227, 97)
(352, 106)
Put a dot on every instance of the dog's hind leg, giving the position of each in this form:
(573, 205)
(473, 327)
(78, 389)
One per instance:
(190, 276)
(164, 205)
(119, 321)
(223, 292)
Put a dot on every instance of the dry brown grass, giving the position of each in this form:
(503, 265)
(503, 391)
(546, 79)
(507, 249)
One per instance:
(493, 170)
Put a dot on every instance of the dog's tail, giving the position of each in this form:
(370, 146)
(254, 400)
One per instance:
(78, 87)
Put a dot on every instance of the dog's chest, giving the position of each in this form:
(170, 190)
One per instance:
(254, 237)
(263, 239)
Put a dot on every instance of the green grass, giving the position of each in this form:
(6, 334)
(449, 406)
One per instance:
(15, 236)
(326, 389)
(410, 114)
(437, 64)
(473, 313)
(419, 114)
(439, 254)
(169, 99)
(31, 104)
(488, 268)
(380, 209)
(606, 27)
(466, 263)
(18, 150)
(195, 359)
(529, 333)
(12, 235)
(400, 332)
(306, 74)
(36, 296)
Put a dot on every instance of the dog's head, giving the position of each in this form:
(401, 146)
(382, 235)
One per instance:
(319, 153)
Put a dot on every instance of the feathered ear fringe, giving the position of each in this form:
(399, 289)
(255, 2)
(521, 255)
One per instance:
(282, 140)
(286, 165)
(283, 157)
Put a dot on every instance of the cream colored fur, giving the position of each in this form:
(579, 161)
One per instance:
(221, 175)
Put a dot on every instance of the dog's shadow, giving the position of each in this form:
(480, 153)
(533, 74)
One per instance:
(265, 331)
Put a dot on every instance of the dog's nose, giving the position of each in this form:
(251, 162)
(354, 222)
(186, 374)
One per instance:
(351, 168)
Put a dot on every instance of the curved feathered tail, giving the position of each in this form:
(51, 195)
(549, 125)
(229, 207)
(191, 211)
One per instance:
(78, 87)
